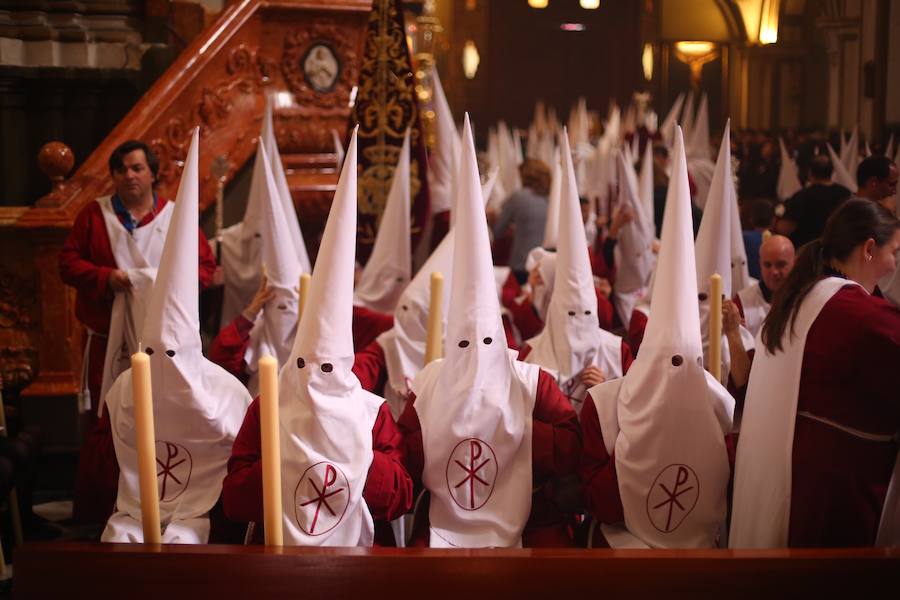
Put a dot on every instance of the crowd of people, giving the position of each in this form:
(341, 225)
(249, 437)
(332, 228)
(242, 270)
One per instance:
(640, 346)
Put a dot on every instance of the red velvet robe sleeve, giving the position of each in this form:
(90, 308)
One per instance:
(207, 262)
(740, 305)
(606, 314)
(370, 368)
(636, 327)
(368, 325)
(388, 489)
(510, 291)
(525, 318)
(85, 263)
(598, 470)
(627, 357)
(555, 435)
(229, 346)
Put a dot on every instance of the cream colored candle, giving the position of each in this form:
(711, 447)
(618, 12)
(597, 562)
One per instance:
(715, 326)
(434, 334)
(766, 234)
(146, 446)
(304, 294)
(271, 450)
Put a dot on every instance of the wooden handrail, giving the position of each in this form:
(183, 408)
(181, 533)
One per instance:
(219, 83)
(141, 571)
(229, 122)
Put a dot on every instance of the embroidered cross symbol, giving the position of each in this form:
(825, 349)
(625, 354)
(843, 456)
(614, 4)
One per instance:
(677, 486)
(322, 498)
(168, 469)
(479, 472)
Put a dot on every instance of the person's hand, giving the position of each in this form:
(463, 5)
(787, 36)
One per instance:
(601, 221)
(118, 281)
(604, 286)
(491, 214)
(621, 217)
(591, 376)
(654, 246)
(731, 317)
(218, 278)
(534, 278)
(263, 295)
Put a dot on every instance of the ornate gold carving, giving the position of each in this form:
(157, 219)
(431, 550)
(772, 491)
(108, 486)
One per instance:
(18, 367)
(296, 46)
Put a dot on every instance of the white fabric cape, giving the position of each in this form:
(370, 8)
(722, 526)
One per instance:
(761, 511)
(138, 255)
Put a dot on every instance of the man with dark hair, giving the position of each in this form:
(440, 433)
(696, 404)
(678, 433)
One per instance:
(110, 258)
(806, 212)
(876, 177)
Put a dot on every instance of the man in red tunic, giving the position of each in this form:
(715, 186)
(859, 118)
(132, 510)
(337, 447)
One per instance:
(89, 263)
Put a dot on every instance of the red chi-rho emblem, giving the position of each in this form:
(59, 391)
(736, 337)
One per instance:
(173, 470)
(471, 473)
(321, 498)
(672, 497)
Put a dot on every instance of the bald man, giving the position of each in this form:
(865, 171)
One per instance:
(776, 258)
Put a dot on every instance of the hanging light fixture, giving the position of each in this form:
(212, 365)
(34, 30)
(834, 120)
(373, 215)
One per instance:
(647, 61)
(538, 3)
(470, 59)
(590, 4)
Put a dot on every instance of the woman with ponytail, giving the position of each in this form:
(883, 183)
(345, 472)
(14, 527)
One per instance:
(819, 436)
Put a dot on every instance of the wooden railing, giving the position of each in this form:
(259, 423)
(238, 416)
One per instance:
(219, 83)
(51, 570)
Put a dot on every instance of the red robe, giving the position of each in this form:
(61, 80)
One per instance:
(556, 448)
(229, 347)
(85, 263)
(388, 489)
(636, 327)
(368, 325)
(848, 376)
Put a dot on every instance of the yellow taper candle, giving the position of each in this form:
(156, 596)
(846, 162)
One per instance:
(304, 294)
(434, 335)
(715, 326)
(766, 234)
(271, 451)
(146, 446)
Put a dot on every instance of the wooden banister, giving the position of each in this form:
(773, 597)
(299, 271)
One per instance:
(138, 571)
(218, 83)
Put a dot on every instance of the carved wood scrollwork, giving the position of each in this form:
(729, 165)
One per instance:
(18, 301)
(247, 70)
(342, 42)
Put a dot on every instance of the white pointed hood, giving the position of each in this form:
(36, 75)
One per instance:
(850, 151)
(442, 162)
(326, 418)
(571, 338)
(645, 187)
(389, 268)
(841, 174)
(667, 129)
(197, 406)
(719, 245)
(889, 149)
(474, 405)
(551, 227)
(687, 120)
(284, 191)
(276, 327)
(788, 177)
(699, 144)
(634, 251)
(666, 419)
